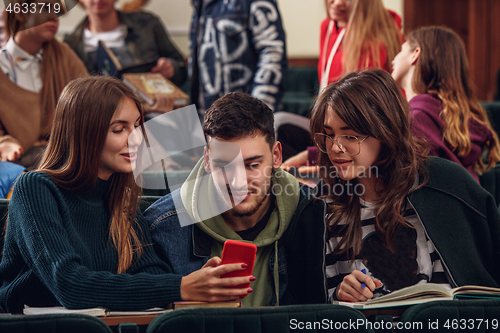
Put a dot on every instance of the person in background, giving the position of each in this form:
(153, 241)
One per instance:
(35, 67)
(356, 34)
(238, 191)
(237, 45)
(433, 70)
(74, 237)
(135, 37)
(393, 213)
(3, 30)
(9, 172)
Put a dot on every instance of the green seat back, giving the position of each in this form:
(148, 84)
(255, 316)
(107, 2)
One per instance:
(158, 183)
(490, 181)
(478, 315)
(259, 320)
(493, 111)
(56, 323)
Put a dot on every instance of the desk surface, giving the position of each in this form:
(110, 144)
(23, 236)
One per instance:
(139, 320)
(146, 319)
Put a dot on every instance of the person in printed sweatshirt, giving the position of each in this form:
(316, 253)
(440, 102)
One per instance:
(237, 45)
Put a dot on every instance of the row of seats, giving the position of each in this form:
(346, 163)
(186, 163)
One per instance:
(481, 315)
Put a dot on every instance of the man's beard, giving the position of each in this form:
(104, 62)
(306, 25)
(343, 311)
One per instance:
(252, 211)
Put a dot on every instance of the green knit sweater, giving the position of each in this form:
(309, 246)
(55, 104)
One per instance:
(57, 252)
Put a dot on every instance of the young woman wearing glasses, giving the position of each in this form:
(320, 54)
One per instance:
(395, 217)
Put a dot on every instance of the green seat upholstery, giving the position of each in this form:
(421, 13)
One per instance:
(493, 111)
(57, 323)
(490, 181)
(301, 87)
(158, 183)
(259, 320)
(436, 316)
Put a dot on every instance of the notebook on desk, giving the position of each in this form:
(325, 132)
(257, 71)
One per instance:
(96, 312)
(425, 292)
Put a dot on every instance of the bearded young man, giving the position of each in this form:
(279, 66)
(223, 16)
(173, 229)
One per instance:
(238, 191)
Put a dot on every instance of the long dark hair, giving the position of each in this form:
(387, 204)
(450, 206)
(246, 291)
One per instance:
(79, 130)
(371, 104)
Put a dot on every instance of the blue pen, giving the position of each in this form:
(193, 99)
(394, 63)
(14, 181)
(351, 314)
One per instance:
(364, 272)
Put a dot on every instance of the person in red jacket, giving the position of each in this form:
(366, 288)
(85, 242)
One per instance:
(355, 35)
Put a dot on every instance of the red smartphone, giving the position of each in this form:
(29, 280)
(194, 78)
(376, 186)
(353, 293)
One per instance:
(239, 252)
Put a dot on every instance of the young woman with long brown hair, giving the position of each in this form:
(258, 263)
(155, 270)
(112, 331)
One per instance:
(34, 68)
(433, 70)
(73, 237)
(391, 212)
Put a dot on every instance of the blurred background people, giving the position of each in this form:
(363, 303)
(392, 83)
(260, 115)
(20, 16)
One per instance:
(355, 35)
(433, 70)
(135, 37)
(237, 45)
(35, 67)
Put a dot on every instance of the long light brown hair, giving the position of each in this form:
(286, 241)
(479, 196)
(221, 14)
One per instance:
(370, 26)
(72, 158)
(371, 104)
(54, 76)
(442, 69)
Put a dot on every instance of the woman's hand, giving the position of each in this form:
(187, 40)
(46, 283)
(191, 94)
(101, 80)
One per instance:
(350, 290)
(207, 285)
(10, 151)
(301, 162)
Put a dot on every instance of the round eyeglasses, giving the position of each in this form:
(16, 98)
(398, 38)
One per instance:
(349, 144)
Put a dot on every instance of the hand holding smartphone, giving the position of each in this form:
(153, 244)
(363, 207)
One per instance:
(239, 252)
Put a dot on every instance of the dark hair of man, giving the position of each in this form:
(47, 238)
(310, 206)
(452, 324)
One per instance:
(237, 114)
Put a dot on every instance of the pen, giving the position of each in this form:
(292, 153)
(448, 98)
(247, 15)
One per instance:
(364, 272)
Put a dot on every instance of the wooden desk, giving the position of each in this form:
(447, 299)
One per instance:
(139, 320)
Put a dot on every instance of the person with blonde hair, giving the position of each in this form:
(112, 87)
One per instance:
(433, 70)
(34, 68)
(355, 35)
(74, 237)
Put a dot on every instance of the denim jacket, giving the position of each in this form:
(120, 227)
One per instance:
(300, 250)
(237, 45)
(145, 39)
